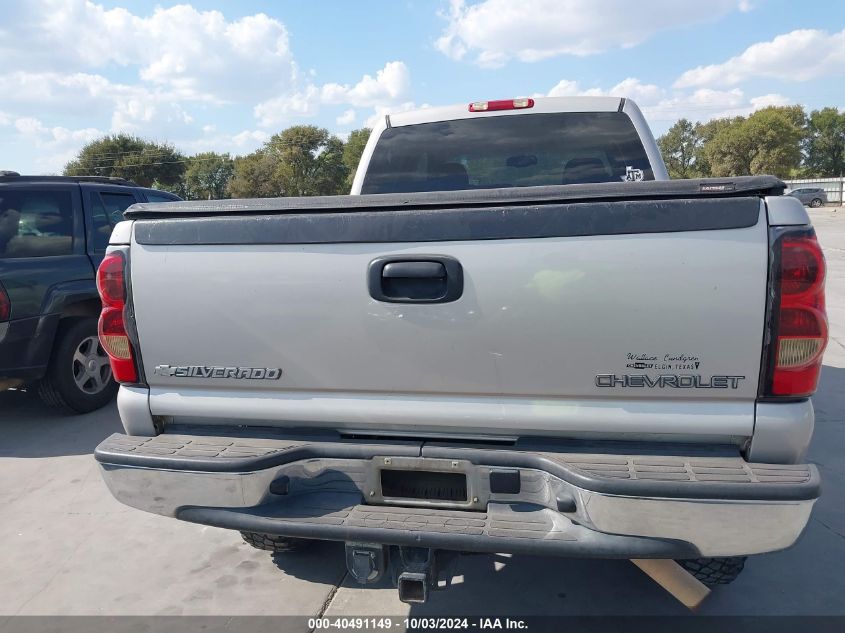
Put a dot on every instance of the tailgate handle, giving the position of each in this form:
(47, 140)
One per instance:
(414, 270)
(416, 279)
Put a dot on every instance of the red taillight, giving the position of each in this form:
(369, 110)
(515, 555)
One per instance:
(5, 305)
(111, 284)
(501, 104)
(110, 280)
(800, 325)
(802, 266)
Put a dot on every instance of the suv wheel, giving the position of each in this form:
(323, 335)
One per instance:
(816, 203)
(273, 543)
(714, 571)
(79, 378)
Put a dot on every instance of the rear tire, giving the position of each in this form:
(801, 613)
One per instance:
(714, 571)
(816, 203)
(78, 379)
(273, 543)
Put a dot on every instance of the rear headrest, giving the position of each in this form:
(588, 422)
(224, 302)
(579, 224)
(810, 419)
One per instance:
(449, 176)
(581, 170)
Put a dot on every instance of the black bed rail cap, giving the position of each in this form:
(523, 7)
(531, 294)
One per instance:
(643, 190)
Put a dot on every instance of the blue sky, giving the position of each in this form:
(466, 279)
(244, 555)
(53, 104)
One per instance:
(224, 76)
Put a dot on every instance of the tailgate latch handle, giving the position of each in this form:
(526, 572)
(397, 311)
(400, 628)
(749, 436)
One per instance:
(414, 270)
(415, 279)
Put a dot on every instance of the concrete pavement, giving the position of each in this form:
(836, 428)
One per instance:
(67, 547)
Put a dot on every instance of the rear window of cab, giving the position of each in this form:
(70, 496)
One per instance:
(508, 151)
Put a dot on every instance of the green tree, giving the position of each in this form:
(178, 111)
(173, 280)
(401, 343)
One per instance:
(775, 135)
(724, 150)
(679, 147)
(707, 132)
(352, 151)
(303, 160)
(309, 161)
(131, 157)
(254, 177)
(824, 143)
(767, 142)
(208, 176)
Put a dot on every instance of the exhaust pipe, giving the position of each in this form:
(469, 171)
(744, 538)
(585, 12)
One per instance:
(413, 587)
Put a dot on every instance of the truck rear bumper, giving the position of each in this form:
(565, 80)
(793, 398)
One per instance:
(578, 502)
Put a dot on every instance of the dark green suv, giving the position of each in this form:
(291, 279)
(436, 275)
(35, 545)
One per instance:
(53, 234)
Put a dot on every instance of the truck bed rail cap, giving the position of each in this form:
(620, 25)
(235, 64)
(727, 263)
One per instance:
(648, 190)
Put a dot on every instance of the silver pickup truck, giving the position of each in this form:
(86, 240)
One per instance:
(516, 336)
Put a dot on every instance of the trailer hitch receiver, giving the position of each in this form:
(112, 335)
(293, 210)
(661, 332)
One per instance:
(415, 570)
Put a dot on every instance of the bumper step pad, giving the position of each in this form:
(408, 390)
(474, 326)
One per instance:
(593, 500)
(692, 477)
(516, 528)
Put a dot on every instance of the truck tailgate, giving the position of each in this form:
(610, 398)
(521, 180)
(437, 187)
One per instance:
(574, 318)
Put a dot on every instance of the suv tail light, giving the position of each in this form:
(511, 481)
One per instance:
(5, 304)
(798, 319)
(111, 284)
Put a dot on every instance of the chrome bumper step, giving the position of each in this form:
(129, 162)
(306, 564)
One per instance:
(590, 501)
(694, 476)
(512, 528)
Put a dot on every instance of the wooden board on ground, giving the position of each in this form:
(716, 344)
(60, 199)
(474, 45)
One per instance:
(674, 579)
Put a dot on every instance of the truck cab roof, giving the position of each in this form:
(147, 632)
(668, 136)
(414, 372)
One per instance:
(541, 105)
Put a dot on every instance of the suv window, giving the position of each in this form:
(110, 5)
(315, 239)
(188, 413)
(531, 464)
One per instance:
(107, 210)
(35, 223)
(508, 151)
(160, 196)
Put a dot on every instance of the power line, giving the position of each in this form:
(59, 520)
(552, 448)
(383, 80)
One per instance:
(117, 155)
(149, 164)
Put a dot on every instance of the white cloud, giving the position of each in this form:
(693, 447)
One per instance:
(175, 73)
(630, 88)
(705, 104)
(71, 93)
(660, 107)
(131, 109)
(212, 141)
(771, 99)
(701, 105)
(531, 30)
(57, 145)
(391, 84)
(37, 131)
(347, 118)
(138, 114)
(796, 56)
(565, 88)
(194, 53)
(250, 138)
(381, 111)
(389, 88)
(282, 109)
